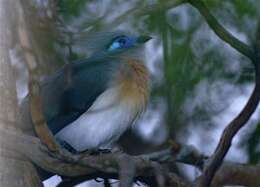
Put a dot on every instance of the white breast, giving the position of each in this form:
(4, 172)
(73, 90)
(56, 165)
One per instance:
(102, 124)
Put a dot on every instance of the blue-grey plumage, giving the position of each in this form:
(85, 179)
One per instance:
(91, 102)
(72, 90)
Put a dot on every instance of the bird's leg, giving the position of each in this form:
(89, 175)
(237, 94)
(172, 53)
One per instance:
(67, 146)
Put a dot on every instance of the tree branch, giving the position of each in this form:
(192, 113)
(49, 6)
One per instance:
(134, 12)
(236, 174)
(104, 165)
(220, 31)
(237, 123)
(142, 11)
(39, 122)
(227, 136)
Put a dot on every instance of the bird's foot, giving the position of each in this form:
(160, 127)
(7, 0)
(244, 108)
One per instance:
(82, 154)
(96, 152)
(67, 146)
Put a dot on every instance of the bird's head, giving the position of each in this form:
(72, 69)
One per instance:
(114, 44)
(122, 43)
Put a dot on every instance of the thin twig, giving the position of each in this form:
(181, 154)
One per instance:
(132, 12)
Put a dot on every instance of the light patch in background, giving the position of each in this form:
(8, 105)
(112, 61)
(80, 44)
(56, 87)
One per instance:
(185, 20)
(151, 127)
(113, 183)
(153, 60)
(21, 74)
(55, 180)
(93, 183)
(205, 40)
(52, 181)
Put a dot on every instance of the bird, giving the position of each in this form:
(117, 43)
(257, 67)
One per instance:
(89, 103)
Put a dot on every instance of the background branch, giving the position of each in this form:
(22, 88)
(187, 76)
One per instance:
(238, 122)
(220, 31)
(132, 12)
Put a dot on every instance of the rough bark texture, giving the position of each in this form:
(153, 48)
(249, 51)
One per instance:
(15, 169)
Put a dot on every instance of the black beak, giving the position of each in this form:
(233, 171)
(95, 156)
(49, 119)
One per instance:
(143, 39)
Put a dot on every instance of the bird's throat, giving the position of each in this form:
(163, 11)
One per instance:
(133, 81)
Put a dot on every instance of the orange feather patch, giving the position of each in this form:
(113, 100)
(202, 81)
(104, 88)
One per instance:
(134, 83)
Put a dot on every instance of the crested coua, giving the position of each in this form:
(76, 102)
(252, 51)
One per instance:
(90, 103)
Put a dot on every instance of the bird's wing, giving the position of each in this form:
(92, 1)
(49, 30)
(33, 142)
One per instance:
(69, 92)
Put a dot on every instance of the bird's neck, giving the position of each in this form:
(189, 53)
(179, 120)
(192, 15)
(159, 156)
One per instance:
(133, 81)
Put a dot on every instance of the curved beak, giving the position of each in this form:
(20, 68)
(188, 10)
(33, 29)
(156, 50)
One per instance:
(142, 39)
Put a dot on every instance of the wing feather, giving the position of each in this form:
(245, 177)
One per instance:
(69, 92)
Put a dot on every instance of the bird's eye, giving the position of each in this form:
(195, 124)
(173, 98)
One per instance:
(119, 43)
(122, 41)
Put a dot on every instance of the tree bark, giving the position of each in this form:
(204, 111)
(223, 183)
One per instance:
(15, 169)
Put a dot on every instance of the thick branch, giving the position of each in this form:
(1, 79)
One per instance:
(107, 166)
(39, 122)
(235, 174)
(35, 151)
(14, 170)
(226, 139)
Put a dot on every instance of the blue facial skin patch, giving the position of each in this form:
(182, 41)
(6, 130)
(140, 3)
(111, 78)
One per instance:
(113, 46)
(122, 42)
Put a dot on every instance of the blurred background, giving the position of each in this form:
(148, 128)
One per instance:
(199, 83)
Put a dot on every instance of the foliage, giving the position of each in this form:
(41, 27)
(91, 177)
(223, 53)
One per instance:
(68, 8)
